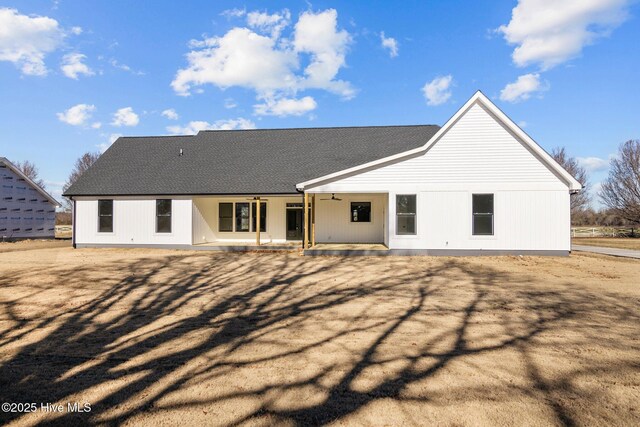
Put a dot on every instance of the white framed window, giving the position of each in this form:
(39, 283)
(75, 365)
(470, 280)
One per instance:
(105, 216)
(163, 215)
(405, 214)
(225, 217)
(482, 213)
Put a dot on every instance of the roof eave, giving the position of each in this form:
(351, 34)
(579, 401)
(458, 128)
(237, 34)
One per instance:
(17, 171)
(571, 182)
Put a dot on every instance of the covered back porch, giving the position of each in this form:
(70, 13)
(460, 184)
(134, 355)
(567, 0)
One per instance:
(346, 223)
(334, 222)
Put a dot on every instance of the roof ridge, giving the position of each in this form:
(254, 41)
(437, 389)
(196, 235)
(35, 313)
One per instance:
(156, 136)
(318, 127)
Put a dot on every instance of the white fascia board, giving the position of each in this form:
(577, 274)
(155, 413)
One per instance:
(574, 185)
(18, 172)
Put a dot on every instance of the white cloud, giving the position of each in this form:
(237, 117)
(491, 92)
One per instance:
(111, 138)
(286, 107)
(78, 115)
(272, 24)
(26, 40)
(523, 88)
(170, 114)
(593, 164)
(437, 91)
(317, 34)
(522, 124)
(550, 32)
(389, 43)
(233, 13)
(72, 66)
(124, 67)
(239, 58)
(194, 127)
(125, 117)
(96, 125)
(262, 59)
(76, 30)
(229, 103)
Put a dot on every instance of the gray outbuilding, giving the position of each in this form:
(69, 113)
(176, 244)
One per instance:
(27, 211)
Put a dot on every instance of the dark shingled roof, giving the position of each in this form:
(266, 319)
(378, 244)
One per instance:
(264, 161)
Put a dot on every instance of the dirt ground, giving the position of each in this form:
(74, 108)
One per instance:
(158, 337)
(609, 242)
(28, 245)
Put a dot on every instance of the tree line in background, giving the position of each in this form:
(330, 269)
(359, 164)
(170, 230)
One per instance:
(81, 165)
(620, 192)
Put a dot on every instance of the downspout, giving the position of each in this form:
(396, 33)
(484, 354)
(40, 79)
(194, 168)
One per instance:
(73, 224)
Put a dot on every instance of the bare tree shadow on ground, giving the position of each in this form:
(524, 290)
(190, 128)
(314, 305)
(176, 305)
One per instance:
(234, 339)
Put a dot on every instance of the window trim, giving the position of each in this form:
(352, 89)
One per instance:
(233, 217)
(414, 215)
(111, 216)
(493, 214)
(351, 221)
(170, 217)
(236, 217)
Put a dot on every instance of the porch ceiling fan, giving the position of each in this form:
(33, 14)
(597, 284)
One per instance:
(333, 197)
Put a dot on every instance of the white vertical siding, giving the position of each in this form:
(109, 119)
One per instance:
(523, 220)
(478, 154)
(134, 222)
(333, 221)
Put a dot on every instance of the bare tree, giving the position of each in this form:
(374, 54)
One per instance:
(82, 164)
(31, 171)
(621, 190)
(581, 200)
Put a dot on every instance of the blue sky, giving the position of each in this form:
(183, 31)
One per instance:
(75, 74)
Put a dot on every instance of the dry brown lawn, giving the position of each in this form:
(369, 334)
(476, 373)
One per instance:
(28, 245)
(608, 242)
(158, 337)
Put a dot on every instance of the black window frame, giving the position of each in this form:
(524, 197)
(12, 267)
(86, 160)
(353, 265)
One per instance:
(263, 216)
(358, 220)
(239, 218)
(161, 217)
(412, 215)
(478, 215)
(101, 215)
(220, 217)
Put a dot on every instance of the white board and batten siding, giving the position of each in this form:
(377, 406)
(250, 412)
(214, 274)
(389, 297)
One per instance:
(333, 220)
(478, 154)
(134, 222)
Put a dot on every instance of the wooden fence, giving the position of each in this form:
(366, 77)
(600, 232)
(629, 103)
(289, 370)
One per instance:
(603, 232)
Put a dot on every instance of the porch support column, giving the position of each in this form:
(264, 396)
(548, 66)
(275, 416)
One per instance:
(258, 221)
(313, 220)
(305, 210)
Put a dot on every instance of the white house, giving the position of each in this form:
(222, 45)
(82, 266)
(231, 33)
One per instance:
(477, 185)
